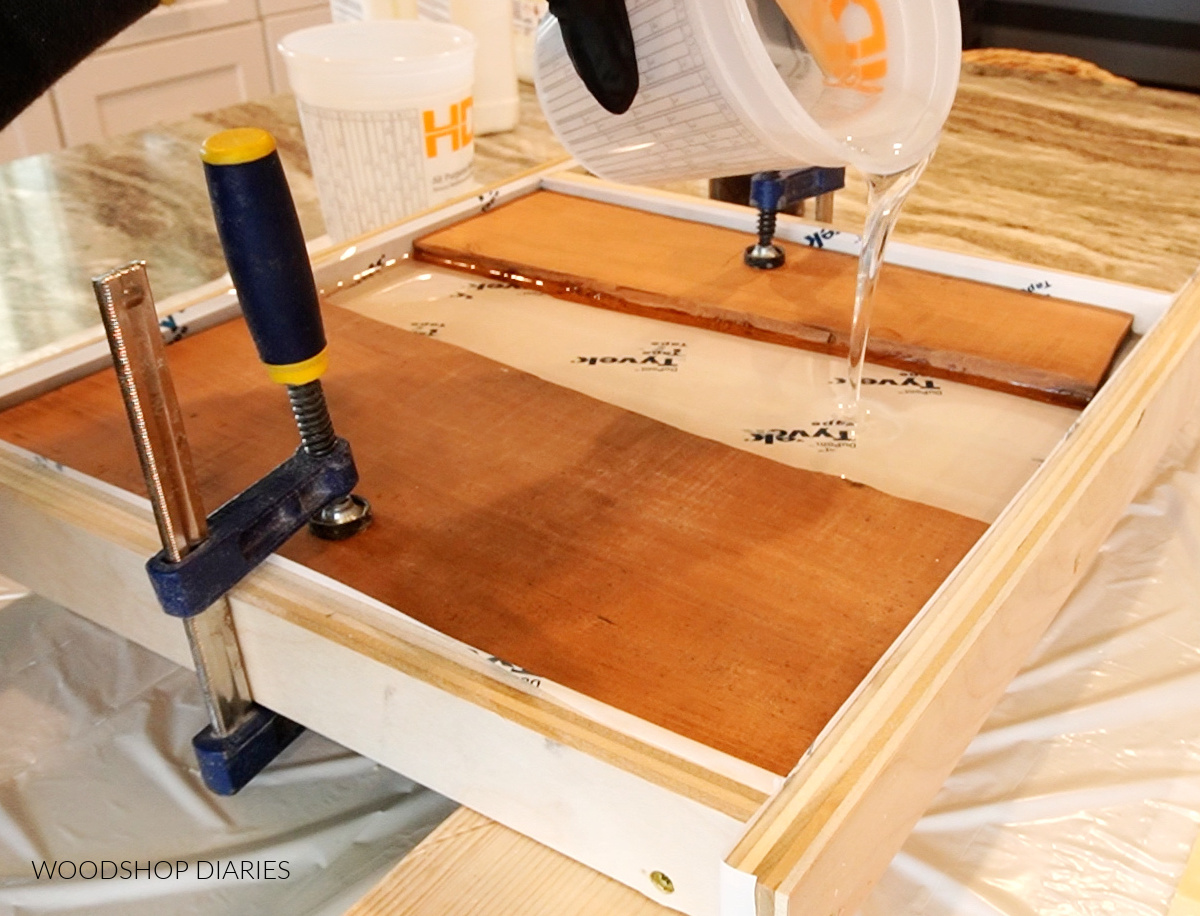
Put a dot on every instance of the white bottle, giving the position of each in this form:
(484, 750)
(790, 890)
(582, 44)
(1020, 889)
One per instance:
(497, 105)
(358, 10)
(526, 16)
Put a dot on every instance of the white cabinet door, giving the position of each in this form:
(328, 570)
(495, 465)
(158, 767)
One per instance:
(278, 26)
(129, 89)
(34, 131)
(271, 7)
(184, 17)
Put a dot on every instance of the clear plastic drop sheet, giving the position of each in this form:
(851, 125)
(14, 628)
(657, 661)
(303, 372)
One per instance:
(1081, 795)
(96, 766)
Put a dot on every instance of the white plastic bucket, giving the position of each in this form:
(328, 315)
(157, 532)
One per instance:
(728, 87)
(386, 110)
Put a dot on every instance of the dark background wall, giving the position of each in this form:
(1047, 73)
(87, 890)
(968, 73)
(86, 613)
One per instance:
(1155, 42)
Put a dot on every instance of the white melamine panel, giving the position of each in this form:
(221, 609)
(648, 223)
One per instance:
(132, 88)
(272, 7)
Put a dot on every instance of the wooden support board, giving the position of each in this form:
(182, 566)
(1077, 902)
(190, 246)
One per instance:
(689, 272)
(718, 594)
(470, 866)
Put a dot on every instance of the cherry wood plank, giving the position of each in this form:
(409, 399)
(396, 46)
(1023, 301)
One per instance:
(678, 270)
(719, 594)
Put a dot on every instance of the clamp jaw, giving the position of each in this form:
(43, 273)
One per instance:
(773, 191)
(250, 527)
(241, 534)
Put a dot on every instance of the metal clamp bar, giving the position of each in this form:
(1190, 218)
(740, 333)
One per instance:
(131, 324)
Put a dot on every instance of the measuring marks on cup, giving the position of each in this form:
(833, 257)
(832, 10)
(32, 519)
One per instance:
(725, 93)
(373, 167)
(388, 117)
(681, 123)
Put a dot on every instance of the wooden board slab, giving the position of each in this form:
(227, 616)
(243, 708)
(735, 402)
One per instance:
(678, 270)
(716, 593)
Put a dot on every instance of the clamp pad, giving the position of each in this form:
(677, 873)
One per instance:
(228, 763)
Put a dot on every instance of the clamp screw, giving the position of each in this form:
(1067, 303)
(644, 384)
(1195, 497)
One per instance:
(766, 189)
(343, 517)
(772, 191)
(764, 254)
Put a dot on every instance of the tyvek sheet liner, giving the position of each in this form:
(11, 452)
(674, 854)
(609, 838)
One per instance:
(96, 764)
(1080, 795)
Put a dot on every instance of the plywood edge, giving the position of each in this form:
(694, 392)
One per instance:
(394, 642)
(603, 814)
(820, 843)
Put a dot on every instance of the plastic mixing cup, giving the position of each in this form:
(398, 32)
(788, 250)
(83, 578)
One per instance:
(730, 87)
(386, 111)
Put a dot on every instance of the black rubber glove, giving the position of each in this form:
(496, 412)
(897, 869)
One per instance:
(600, 45)
(40, 40)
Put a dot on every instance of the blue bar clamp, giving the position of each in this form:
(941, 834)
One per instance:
(264, 247)
(203, 558)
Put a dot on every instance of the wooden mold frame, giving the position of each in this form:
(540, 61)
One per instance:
(618, 794)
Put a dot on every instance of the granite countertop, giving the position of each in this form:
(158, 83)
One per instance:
(1047, 169)
(1062, 172)
(71, 215)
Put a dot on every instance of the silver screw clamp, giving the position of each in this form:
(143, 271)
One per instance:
(351, 514)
